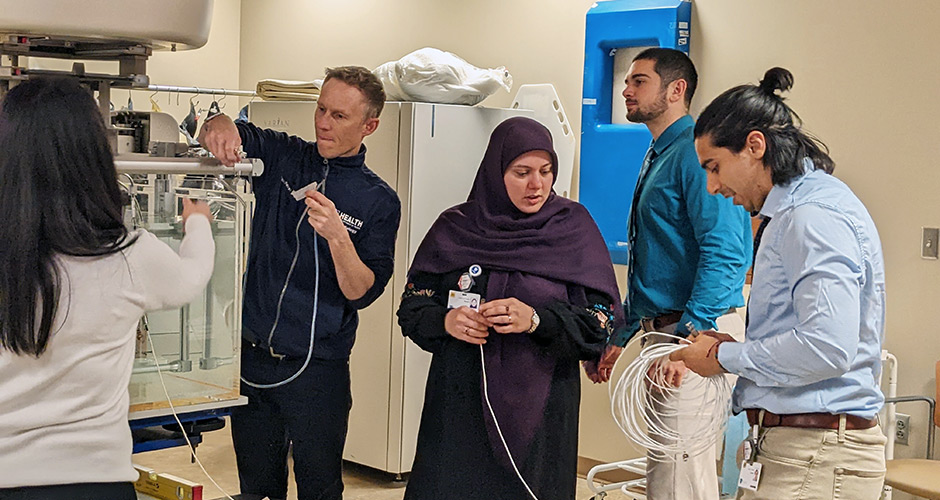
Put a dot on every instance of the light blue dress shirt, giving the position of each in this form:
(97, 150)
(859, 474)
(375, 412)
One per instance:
(689, 250)
(817, 305)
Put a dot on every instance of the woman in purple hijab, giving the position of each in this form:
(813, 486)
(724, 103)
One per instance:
(508, 291)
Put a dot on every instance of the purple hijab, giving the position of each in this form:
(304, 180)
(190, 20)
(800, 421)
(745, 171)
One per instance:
(535, 258)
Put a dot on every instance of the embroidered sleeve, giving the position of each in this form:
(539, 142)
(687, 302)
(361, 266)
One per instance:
(604, 315)
(412, 291)
(421, 313)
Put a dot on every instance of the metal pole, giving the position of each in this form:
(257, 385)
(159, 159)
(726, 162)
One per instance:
(185, 363)
(207, 347)
(152, 165)
(890, 424)
(104, 101)
(201, 90)
(170, 367)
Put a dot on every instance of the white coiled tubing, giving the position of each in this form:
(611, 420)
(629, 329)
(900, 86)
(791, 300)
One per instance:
(644, 415)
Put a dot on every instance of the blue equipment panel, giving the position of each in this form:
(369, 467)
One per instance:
(611, 154)
(157, 433)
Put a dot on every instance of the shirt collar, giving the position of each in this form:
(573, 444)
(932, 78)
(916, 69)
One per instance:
(355, 161)
(779, 194)
(671, 133)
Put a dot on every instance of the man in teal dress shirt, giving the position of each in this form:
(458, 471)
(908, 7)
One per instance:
(688, 256)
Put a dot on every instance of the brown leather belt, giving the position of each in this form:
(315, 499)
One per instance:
(809, 420)
(654, 324)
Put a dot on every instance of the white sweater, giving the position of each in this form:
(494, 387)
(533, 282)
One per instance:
(63, 416)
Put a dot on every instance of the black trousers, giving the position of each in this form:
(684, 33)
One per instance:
(78, 491)
(309, 415)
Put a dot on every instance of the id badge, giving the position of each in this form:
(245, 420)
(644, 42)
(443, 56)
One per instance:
(750, 476)
(750, 470)
(458, 299)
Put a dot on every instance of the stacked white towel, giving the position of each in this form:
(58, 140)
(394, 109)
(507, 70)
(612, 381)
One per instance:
(289, 90)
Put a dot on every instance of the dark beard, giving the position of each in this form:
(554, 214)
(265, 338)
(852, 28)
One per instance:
(656, 110)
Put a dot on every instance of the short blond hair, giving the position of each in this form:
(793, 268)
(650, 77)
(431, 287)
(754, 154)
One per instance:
(365, 81)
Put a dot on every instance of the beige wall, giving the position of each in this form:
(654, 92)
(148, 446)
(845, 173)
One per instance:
(215, 65)
(866, 79)
(297, 39)
(865, 75)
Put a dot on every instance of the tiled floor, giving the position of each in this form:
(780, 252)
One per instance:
(217, 456)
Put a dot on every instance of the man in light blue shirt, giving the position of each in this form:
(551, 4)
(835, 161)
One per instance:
(820, 256)
(810, 365)
(688, 258)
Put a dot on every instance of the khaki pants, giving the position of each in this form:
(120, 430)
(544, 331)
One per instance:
(689, 477)
(817, 464)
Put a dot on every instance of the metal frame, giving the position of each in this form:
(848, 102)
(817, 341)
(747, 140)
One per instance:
(635, 465)
(181, 165)
(892, 399)
(931, 408)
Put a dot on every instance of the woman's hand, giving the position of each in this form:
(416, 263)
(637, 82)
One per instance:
(195, 207)
(508, 315)
(467, 325)
(669, 373)
(605, 366)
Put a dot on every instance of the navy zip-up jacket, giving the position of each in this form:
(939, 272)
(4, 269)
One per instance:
(369, 209)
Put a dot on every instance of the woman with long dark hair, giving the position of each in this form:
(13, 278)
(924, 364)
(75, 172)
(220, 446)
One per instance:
(73, 285)
(809, 367)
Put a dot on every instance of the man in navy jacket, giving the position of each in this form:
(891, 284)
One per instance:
(306, 282)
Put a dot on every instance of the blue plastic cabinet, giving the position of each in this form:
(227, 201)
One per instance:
(611, 154)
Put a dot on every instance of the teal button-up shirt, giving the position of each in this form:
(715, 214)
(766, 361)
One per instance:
(691, 250)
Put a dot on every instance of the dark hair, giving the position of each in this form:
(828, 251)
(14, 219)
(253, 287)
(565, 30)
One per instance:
(743, 109)
(59, 195)
(671, 65)
(365, 81)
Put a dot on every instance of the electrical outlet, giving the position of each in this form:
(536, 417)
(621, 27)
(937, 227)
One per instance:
(902, 429)
(929, 244)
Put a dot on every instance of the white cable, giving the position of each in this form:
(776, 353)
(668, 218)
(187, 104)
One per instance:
(277, 316)
(316, 295)
(640, 404)
(177, 418)
(486, 396)
(290, 271)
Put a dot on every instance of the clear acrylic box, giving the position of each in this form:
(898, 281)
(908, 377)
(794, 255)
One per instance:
(197, 346)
